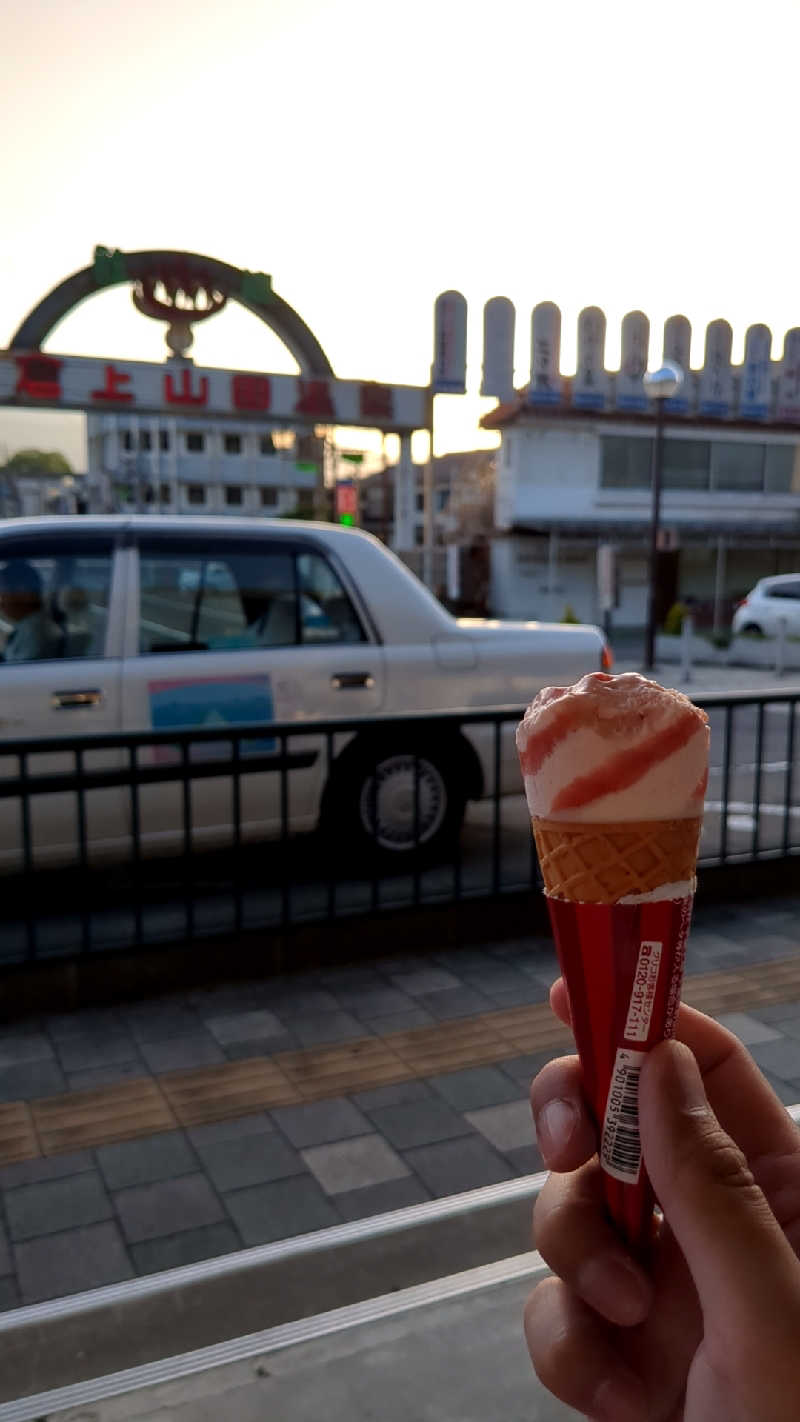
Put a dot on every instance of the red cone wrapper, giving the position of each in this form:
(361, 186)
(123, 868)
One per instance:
(623, 966)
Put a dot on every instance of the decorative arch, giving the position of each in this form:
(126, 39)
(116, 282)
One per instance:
(252, 290)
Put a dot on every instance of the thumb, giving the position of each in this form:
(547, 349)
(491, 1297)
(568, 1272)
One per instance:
(743, 1267)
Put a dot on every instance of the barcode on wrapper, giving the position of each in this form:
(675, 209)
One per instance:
(621, 1149)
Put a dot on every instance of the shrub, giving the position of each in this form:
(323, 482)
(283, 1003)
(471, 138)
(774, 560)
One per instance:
(673, 622)
(569, 614)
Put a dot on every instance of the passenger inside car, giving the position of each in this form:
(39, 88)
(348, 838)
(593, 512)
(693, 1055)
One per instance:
(35, 635)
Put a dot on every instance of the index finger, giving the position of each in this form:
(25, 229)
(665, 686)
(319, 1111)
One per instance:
(742, 1100)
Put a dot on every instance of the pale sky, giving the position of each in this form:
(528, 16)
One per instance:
(369, 155)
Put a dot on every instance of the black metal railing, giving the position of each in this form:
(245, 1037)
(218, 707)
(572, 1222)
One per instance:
(121, 840)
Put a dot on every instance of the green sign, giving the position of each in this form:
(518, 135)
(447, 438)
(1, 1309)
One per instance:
(256, 287)
(109, 266)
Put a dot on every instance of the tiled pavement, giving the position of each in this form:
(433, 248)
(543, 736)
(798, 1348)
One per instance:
(159, 1133)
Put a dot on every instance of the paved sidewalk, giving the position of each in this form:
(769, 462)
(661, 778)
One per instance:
(166, 1131)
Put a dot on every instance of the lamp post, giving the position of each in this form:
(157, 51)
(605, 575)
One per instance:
(660, 385)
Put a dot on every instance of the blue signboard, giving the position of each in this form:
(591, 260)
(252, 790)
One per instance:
(207, 702)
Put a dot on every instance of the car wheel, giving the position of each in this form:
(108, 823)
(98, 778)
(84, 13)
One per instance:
(373, 806)
(754, 629)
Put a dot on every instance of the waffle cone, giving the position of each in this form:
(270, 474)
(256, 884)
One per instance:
(601, 864)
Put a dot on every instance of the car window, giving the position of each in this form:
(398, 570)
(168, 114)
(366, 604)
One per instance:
(239, 596)
(326, 612)
(227, 601)
(784, 590)
(54, 603)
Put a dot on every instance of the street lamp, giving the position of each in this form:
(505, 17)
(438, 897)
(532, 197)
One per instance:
(660, 385)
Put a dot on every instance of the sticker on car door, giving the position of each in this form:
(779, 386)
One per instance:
(180, 704)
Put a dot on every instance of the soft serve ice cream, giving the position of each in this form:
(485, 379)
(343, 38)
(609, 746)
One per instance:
(613, 748)
(615, 771)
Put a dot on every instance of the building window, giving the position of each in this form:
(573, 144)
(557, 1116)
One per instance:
(232, 443)
(687, 463)
(442, 499)
(419, 503)
(419, 535)
(127, 439)
(625, 462)
(266, 444)
(195, 443)
(164, 494)
(305, 501)
(163, 441)
(269, 498)
(782, 469)
(233, 495)
(196, 493)
(737, 465)
(145, 439)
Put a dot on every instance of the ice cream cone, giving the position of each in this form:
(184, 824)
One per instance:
(603, 863)
(595, 758)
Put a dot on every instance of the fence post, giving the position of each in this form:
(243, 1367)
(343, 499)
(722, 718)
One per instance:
(780, 647)
(687, 633)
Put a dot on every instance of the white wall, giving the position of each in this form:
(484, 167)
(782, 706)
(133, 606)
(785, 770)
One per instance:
(550, 473)
(520, 581)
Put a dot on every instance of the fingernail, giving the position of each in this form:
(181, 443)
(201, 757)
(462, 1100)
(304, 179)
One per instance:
(613, 1286)
(555, 1125)
(618, 1399)
(688, 1081)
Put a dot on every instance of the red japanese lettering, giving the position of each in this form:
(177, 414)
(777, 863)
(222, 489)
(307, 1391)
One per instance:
(112, 390)
(185, 395)
(376, 401)
(39, 377)
(251, 392)
(314, 398)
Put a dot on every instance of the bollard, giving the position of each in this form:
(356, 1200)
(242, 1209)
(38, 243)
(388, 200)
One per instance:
(687, 633)
(780, 647)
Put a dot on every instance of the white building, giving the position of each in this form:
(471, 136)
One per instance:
(570, 482)
(190, 465)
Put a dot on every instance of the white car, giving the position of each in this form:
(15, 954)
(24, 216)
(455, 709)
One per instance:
(166, 623)
(771, 600)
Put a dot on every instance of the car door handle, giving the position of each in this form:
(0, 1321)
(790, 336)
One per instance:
(73, 700)
(352, 681)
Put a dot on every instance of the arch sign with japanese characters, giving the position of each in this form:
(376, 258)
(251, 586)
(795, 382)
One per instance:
(183, 289)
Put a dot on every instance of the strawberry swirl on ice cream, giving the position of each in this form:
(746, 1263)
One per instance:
(611, 749)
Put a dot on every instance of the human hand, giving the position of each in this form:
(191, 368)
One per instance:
(711, 1332)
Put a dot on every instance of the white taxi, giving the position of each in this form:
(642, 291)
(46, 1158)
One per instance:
(136, 623)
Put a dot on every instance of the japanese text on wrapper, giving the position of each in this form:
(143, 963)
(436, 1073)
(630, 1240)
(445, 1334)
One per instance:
(678, 957)
(643, 991)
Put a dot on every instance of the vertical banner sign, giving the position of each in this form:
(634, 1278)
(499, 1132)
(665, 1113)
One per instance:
(453, 567)
(716, 377)
(677, 348)
(590, 386)
(545, 386)
(404, 491)
(755, 390)
(498, 348)
(633, 364)
(788, 406)
(449, 369)
(606, 577)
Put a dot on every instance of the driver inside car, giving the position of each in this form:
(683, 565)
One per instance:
(35, 635)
